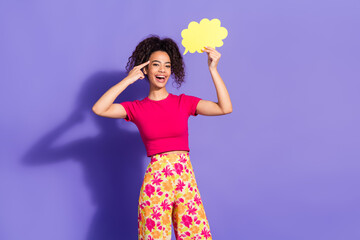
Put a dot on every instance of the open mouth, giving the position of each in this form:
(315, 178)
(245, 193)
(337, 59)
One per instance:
(160, 78)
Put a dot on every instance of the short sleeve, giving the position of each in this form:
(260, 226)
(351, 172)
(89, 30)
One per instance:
(129, 108)
(191, 103)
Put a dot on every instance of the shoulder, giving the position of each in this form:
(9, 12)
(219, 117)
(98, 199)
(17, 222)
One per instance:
(136, 102)
(132, 104)
(189, 98)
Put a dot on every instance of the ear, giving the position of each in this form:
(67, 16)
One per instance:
(145, 70)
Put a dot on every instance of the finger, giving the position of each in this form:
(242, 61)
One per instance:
(213, 54)
(210, 48)
(205, 50)
(213, 50)
(143, 64)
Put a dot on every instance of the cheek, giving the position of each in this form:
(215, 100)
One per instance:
(151, 70)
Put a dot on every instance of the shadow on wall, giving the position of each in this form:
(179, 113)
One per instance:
(112, 160)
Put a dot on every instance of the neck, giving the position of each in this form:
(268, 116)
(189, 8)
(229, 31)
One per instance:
(158, 94)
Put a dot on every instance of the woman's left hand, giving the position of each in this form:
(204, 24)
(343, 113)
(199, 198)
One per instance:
(213, 57)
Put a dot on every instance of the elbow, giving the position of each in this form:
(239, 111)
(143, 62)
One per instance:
(95, 111)
(225, 110)
(228, 111)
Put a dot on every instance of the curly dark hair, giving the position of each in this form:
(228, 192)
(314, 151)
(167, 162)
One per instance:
(153, 43)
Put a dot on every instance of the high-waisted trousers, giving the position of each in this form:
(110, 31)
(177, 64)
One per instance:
(169, 194)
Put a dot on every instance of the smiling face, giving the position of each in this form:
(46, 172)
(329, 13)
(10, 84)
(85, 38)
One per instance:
(159, 69)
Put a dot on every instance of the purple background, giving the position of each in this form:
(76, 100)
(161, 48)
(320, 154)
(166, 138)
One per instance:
(284, 165)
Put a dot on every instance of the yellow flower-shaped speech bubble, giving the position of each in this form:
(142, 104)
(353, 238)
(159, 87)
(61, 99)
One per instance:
(206, 33)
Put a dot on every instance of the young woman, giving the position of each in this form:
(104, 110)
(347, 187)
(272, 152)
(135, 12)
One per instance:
(169, 193)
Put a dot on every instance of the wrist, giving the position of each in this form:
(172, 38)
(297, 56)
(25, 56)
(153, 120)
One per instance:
(128, 80)
(213, 69)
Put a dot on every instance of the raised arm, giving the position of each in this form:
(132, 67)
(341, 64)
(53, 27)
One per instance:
(105, 106)
(223, 106)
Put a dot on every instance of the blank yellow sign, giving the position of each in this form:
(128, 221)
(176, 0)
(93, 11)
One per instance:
(206, 33)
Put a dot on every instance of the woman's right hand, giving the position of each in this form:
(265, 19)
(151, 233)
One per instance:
(136, 72)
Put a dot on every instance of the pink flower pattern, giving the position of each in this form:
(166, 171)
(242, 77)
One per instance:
(167, 171)
(205, 233)
(197, 200)
(180, 186)
(192, 210)
(178, 168)
(150, 224)
(186, 220)
(149, 190)
(156, 215)
(157, 180)
(168, 195)
(165, 206)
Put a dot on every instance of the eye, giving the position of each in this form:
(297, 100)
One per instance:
(168, 66)
(155, 64)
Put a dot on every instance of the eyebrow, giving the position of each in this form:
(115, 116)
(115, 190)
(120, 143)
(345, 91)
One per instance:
(159, 61)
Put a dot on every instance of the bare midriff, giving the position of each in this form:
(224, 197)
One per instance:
(180, 151)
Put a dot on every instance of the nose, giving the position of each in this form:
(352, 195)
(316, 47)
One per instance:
(162, 69)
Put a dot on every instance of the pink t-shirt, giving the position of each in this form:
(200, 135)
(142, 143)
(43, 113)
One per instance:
(163, 124)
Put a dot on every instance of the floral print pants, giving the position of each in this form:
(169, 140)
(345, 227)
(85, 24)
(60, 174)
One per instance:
(169, 194)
